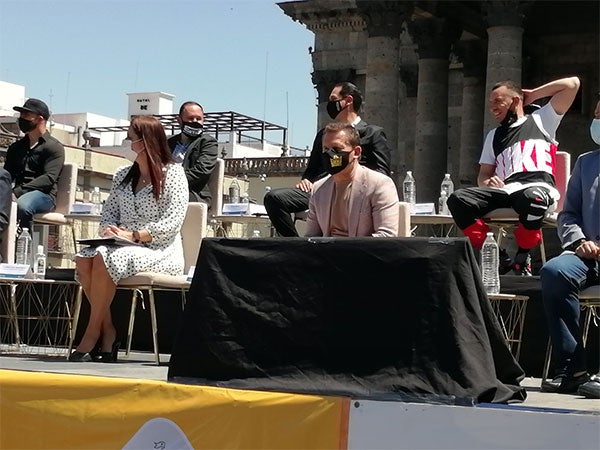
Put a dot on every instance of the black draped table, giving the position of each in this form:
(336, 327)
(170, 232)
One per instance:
(363, 317)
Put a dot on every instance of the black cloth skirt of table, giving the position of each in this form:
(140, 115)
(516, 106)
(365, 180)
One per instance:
(362, 317)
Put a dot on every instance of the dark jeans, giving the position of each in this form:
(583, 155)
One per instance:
(280, 204)
(32, 203)
(562, 279)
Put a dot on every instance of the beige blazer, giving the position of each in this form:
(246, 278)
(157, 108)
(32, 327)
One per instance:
(373, 208)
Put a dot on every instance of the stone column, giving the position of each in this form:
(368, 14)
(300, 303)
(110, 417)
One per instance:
(472, 54)
(504, 19)
(433, 37)
(384, 23)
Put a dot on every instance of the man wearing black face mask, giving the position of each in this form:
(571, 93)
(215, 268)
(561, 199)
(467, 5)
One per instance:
(344, 105)
(354, 200)
(195, 150)
(34, 163)
(516, 167)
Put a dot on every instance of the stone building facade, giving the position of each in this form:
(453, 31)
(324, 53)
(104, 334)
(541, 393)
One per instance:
(426, 68)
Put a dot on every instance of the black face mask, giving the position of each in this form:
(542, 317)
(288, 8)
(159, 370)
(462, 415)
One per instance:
(26, 125)
(192, 129)
(334, 107)
(335, 161)
(510, 117)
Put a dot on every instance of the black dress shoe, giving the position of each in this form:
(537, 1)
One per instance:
(108, 357)
(591, 388)
(553, 384)
(80, 357)
(570, 383)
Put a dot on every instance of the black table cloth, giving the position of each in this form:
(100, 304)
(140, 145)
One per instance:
(363, 317)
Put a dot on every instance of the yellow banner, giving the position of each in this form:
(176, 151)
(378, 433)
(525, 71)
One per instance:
(57, 411)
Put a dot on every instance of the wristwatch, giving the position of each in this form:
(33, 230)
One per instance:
(575, 244)
(136, 236)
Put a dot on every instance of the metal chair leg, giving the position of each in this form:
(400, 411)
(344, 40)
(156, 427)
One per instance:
(131, 321)
(587, 319)
(75, 319)
(154, 326)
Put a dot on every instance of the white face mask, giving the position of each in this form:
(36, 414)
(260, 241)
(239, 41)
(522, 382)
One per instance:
(595, 131)
(127, 152)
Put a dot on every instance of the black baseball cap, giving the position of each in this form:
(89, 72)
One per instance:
(35, 106)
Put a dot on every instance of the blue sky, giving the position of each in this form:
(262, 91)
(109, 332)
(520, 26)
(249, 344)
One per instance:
(86, 55)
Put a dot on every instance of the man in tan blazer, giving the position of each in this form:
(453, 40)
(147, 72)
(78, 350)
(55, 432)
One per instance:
(353, 200)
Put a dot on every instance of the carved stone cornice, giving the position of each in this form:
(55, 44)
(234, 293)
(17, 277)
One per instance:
(325, 15)
(510, 13)
(433, 36)
(324, 80)
(473, 55)
(384, 17)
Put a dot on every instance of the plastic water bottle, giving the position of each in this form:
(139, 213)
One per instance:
(234, 191)
(96, 201)
(489, 265)
(39, 268)
(409, 188)
(447, 185)
(23, 255)
(443, 204)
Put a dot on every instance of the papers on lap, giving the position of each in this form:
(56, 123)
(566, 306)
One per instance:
(111, 240)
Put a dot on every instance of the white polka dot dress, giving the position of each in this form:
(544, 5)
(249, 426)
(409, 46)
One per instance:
(137, 211)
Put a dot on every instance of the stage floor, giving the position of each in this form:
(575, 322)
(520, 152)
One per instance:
(140, 365)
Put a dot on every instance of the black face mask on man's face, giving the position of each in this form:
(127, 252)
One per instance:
(334, 107)
(192, 129)
(510, 117)
(335, 161)
(26, 125)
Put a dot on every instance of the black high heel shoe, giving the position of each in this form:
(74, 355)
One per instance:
(108, 357)
(80, 356)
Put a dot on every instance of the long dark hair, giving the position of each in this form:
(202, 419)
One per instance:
(151, 131)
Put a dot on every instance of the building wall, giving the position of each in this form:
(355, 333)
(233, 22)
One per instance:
(350, 36)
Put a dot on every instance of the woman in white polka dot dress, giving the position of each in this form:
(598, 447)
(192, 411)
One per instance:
(147, 204)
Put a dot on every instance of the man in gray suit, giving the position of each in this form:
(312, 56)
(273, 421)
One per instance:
(565, 276)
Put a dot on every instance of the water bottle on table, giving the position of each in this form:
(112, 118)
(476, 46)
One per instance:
(23, 253)
(234, 191)
(39, 268)
(443, 204)
(446, 188)
(489, 265)
(96, 201)
(447, 185)
(409, 189)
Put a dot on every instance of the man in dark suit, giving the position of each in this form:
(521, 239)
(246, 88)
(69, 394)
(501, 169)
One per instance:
(344, 105)
(195, 151)
(5, 200)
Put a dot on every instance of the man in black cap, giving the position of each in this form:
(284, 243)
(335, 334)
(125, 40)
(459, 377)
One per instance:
(34, 163)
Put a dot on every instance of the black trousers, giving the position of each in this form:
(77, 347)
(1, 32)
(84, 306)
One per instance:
(469, 204)
(280, 204)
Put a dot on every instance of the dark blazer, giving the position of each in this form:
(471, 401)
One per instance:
(375, 152)
(198, 163)
(5, 201)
